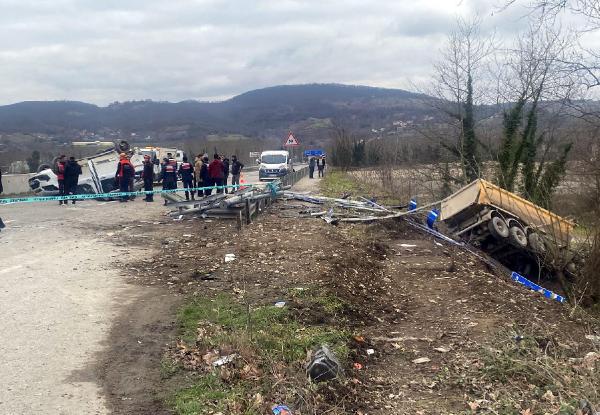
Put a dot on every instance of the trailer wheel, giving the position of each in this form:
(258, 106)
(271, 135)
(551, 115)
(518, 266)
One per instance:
(498, 227)
(536, 243)
(517, 237)
(571, 268)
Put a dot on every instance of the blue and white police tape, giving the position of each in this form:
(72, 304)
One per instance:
(533, 286)
(113, 195)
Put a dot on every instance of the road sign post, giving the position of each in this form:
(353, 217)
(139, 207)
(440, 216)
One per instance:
(290, 143)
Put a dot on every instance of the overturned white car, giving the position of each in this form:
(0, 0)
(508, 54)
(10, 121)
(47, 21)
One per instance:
(98, 174)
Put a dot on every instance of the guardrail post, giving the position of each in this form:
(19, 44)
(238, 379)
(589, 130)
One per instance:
(247, 212)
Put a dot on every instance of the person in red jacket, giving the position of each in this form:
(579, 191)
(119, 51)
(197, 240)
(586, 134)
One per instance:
(60, 175)
(216, 171)
(125, 172)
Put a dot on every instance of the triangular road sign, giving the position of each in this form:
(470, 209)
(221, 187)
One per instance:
(291, 141)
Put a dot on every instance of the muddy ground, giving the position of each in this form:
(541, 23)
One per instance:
(442, 324)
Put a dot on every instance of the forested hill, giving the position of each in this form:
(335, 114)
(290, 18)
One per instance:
(252, 113)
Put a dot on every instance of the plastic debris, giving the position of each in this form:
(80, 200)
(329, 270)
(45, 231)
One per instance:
(370, 351)
(408, 246)
(421, 360)
(357, 366)
(280, 304)
(281, 410)
(229, 257)
(328, 217)
(323, 365)
(593, 338)
(441, 349)
(224, 360)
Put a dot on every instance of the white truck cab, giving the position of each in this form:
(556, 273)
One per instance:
(274, 164)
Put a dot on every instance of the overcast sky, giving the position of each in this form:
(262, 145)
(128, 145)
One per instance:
(101, 51)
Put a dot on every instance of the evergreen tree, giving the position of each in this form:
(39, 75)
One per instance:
(469, 140)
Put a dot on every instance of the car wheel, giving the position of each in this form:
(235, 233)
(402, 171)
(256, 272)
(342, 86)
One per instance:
(498, 228)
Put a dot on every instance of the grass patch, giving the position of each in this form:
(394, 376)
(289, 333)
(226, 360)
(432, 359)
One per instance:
(336, 182)
(266, 337)
(168, 367)
(210, 395)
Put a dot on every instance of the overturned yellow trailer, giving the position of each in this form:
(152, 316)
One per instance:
(481, 209)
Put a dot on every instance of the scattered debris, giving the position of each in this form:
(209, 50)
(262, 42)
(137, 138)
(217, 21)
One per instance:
(280, 304)
(421, 360)
(323, 365)
(281, 410)
(224, 360)
(229, 257)
(593, 338)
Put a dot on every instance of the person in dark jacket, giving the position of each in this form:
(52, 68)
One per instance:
(236, 170)
(2, 225)
(125, 171)
(148, 177)
(225, 172)
(186, 172)
(72, 173)
(168, 175)
(216, 172)
(60, 175)
(311, 168)
(205, 176)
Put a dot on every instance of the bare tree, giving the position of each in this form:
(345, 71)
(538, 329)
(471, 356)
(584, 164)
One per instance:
(550, 9)
(342, 143)
(458, 88)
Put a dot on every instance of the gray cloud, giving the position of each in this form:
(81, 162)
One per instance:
(101, 51)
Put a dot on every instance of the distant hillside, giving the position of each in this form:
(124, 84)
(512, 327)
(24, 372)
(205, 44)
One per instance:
(262, 112)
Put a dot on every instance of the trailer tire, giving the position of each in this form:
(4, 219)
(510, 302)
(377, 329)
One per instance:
(571, 268)
(536, 243)
(517, 237)
(498, 227)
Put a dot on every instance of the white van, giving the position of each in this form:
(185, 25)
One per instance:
(274, 164)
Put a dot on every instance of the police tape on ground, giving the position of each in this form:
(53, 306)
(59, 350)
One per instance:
(112, 195)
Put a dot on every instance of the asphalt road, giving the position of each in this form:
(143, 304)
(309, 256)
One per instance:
(59, 294)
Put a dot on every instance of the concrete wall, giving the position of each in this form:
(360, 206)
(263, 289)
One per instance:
(15, 183)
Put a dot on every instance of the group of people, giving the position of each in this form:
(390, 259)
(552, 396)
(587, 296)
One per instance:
(67, 173)
(215, 173)
(319, 163)
(200, 174)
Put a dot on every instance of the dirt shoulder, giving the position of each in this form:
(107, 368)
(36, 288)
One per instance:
(431, 328)
(426, 327)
